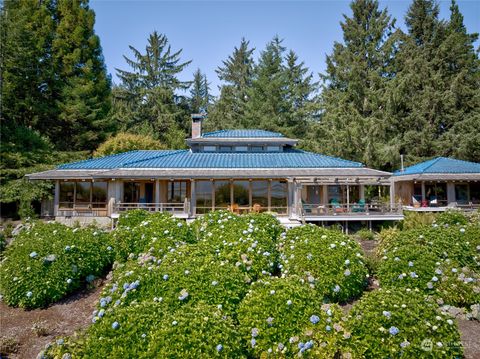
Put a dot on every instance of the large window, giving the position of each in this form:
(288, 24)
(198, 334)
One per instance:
(436, 194)
(461, 193)
(278, 193)
(241, 193)
(99, 194)
(67, 193)
(260, 196)
(475, 192)
(177, 191)
(83, 193)
(131, 192)
(204, 191)
(222, 194)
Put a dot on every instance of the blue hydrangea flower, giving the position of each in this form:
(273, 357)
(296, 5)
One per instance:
(347, 262)
(165, 277)
(393, 330)
(434, 279)
(109, 248)
(219, 347)
(336, 289)
(67, 248)
(144, 335)
(253, 342)
(33, 255)
(115, 325)
(60, 341)
(174, 323)
(289, 302)
(387, 314)
(29, 294)
(410, 264)
(308, 344)
(405, 344)
(254, 332)
(214, 283)
(328, 328)
(280, 346)
(314, 319)
(69, 281)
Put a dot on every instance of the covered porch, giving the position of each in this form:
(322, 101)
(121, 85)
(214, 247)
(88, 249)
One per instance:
(347, 199)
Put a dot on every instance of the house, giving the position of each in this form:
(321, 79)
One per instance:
(439, 184)
(237, 170)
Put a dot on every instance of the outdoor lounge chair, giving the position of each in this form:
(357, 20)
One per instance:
(359, 207)
(337, 208)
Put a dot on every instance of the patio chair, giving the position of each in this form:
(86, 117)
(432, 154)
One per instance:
(359, 207)
(337, 208)
(256, 208)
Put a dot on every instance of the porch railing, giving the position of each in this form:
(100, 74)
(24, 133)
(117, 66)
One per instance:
(351, 209)
(175, 208)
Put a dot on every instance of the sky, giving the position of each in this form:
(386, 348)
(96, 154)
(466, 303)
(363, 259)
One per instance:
(208, 31)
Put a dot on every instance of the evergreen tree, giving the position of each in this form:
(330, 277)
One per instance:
(237, 75)
(434, 103)
(353, 97)
(300, 92)
(267, 106)
(200, 98)
(84, 100)
(28, 82)
(147, 99)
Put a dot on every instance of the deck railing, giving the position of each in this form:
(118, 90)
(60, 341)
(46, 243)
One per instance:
(351, 209)
(175, 208)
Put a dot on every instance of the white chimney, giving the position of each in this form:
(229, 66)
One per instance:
(197, 119)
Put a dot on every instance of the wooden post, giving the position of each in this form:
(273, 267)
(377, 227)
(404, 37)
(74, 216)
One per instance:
(157, 194)
(362, 191)
(392, 194)
(348, 199)
(423, 192)
(193, 198)
(56, 198)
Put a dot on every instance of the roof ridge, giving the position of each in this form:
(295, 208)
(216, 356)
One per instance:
(434, 160)
(96, 158)
(213, 132)
(166, 153)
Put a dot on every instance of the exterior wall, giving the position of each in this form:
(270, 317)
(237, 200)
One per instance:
(451, 192)
(85, 221)
(404, 192)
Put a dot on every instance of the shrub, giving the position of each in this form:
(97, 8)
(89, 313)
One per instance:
(400, 323)
(281, 315)
(417, 219)
(451, 218)
(330, 261)
(148, 330)
(183, 275)
(140, 229)
(248, 242)
(48, 261)
(123, 142)
(365, 234)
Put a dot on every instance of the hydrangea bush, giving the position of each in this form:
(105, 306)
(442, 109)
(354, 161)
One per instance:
(329, 261)
(48, 261)
(248, 242)
(140, 229)
(182, 276)
(284, 317)
(400, 323)
(149, 330)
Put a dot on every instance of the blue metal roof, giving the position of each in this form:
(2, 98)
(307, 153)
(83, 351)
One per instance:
(243, 134)
(188, 159)
(113, 161)
(440, 165)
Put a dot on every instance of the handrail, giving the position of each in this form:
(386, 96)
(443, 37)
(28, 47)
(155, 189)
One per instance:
(351, 209)
(152, 207)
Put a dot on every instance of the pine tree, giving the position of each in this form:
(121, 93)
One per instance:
(353, 97)
(435, 99)
(148, 99)
(267, 105)
(237, 75)
(300, 95)
(28, 83)
(200, 98)
(84, 100)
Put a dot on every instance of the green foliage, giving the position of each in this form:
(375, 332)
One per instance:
(329, 261)
(123, 142)
(417, 219)
(47, 261)
(401, 323)
(365, 234)
(200, 98)
(281, 315)
(147, 100)
(248, 242)
(451, 218)
(139, 229)
(442, 262)
(148, 330)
